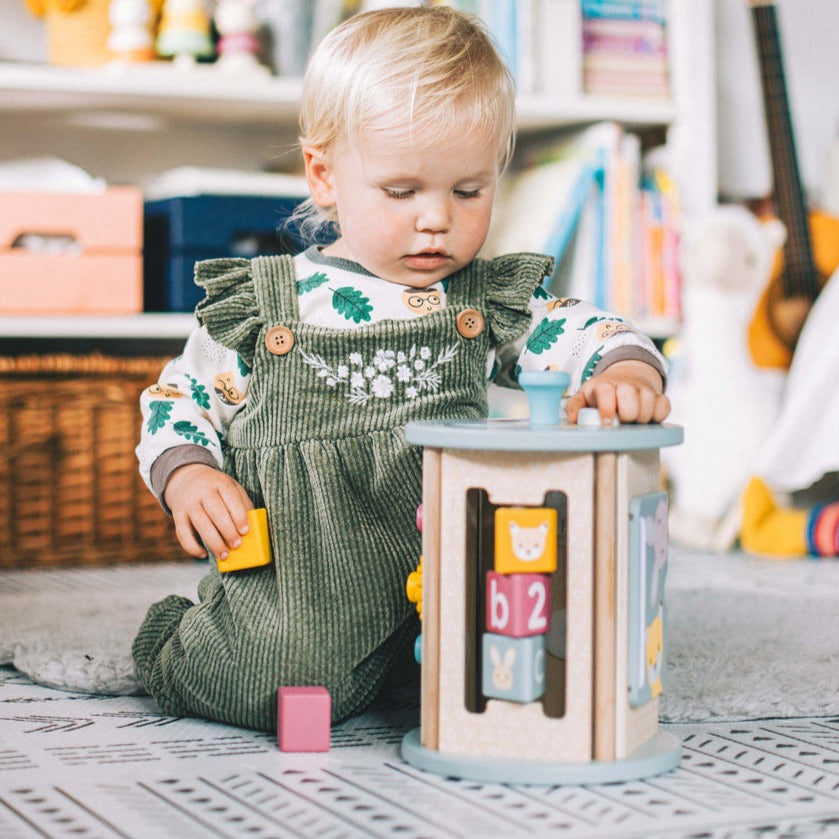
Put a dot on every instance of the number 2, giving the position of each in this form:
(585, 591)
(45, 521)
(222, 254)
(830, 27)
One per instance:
(537, 619)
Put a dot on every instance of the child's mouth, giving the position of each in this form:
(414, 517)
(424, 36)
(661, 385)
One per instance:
(427, 260)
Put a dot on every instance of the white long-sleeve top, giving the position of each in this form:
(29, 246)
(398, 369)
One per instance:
(202, 390)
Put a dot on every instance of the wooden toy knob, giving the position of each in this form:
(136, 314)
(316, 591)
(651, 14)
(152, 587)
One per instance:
(544, 391)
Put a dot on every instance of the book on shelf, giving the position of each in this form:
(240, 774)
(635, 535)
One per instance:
(653, 10)
(612, 230)
(625, 48)
(555, 48)
(564, 47)
(660, 222)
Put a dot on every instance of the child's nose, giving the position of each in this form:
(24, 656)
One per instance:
(434, 215)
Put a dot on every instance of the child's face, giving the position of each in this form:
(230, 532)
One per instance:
(408, 214)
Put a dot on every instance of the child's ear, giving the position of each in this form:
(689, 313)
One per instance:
(318, 176)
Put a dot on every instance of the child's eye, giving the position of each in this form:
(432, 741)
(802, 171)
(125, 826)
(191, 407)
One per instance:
(467, 193)
(397, 193)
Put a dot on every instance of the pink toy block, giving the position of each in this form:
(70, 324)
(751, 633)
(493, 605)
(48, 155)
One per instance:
(518, 605)
(304, 717)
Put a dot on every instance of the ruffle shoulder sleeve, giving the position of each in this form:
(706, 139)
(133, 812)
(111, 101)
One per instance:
(229, 309)
(511, 282)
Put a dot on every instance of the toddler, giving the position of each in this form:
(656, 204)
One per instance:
(294, 391)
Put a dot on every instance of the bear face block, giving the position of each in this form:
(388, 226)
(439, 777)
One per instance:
(525, 540)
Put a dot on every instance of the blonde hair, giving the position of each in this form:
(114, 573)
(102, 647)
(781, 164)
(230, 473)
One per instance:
(419, 73)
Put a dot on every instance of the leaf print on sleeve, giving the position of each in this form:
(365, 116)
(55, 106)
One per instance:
(545, 335)
(244, 367)
(159, 413)
(541, 293)
(351, 303)
(190, 432)
(199, 393)
(599, 319)
(311, 283)
(588, 370)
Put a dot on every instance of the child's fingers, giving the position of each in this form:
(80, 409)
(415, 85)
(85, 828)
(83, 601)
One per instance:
(217, 526)
(629, 403)
(600, 395)
(238, 503)
(661, 408)
(211, 535)
(634, 404)
(573, 405)
(641, 405)
(604, 397)
(187, 537)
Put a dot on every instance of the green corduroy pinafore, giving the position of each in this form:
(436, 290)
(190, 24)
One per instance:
(321, 445)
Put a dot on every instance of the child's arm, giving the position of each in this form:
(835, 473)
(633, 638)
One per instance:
(185, 420)
(612, 366)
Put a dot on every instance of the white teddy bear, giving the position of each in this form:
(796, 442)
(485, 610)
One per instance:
(725, 403)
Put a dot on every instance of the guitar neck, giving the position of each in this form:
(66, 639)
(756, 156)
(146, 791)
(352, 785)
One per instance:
(799, 276)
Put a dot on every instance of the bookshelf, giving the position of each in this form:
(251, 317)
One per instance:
(127, 124)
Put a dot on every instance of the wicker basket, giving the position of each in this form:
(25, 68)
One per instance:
(70, 491)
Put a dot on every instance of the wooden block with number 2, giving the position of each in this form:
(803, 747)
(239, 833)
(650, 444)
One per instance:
(518, 605)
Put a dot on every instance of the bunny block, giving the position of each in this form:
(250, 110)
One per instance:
(514, 668)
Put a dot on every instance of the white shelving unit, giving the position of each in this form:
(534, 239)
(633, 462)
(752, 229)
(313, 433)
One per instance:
(126, 124)
(154, 325)
(202, 92)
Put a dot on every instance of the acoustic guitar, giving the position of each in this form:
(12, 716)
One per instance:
(811, 251)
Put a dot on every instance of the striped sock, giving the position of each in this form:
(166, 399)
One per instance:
(823, 530)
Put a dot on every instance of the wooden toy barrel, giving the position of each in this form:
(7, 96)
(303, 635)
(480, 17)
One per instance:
(597, 736)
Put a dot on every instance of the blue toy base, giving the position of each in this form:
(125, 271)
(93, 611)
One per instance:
(660, 754)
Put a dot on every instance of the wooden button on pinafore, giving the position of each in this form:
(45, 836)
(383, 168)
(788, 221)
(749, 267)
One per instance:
(470, 323)
(279, 340)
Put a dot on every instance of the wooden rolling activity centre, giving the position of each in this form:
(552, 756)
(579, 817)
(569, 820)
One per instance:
(543, 618)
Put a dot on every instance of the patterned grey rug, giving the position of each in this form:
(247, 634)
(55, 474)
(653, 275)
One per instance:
(749, 638)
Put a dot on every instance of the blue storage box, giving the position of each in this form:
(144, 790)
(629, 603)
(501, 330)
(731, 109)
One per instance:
(180, 231)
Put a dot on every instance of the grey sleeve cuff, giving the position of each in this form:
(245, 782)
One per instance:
(631, 352)
(170, 460)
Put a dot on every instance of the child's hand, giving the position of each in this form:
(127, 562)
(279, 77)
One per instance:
(630, 389)
(209, 505)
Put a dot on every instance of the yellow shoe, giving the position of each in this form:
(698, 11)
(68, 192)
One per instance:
(768, 529)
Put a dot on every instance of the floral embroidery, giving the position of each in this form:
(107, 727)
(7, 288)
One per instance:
(381, 376)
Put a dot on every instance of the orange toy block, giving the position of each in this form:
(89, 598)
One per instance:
(525, 540)
(255, 549)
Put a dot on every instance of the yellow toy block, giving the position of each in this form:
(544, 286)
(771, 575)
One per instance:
(255, 549)
(525, 540)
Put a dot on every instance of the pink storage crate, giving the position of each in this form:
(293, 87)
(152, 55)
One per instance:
(96, 264)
